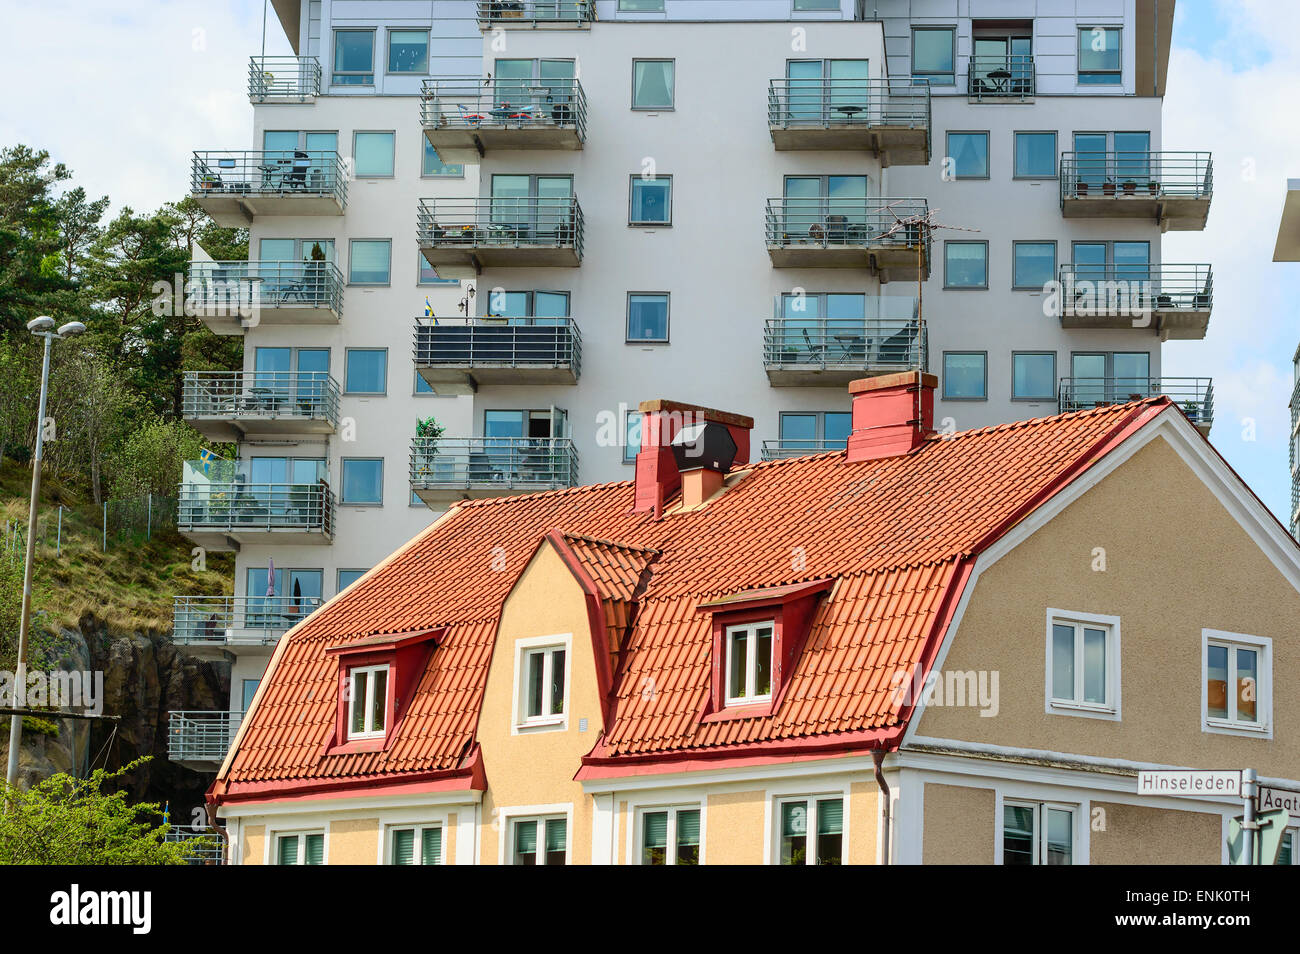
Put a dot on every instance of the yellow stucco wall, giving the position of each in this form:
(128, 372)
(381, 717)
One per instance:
(864, 812)
(959, 825)
(449, 839)
(354, 841)
(1138, 835)
(734, 834)
(254, 837)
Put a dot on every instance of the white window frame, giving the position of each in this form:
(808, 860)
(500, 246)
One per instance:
(419, 828)
(521, 722)
(369, 671)
(810, 850)
(1111, 710)
(751, 663)
(1263, 647)
(1293, 834)
(540, 814)
(1040, 807)
(638, 838)
(302, 835)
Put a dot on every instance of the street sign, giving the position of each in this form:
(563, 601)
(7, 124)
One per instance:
(1280, 798)
(1267, 843)
(1191, 782)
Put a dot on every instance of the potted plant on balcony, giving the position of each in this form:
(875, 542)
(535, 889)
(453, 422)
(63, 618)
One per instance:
(1108, 187)
(429, 431)
(1153, 187)
(1130, 187)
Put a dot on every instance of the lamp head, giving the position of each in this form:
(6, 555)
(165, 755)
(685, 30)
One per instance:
(40, 325)
(71, 328)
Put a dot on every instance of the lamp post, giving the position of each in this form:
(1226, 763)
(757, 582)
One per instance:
(42, 327)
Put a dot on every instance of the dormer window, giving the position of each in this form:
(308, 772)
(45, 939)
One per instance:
(749, 663)
(368, 702)
(377, 678)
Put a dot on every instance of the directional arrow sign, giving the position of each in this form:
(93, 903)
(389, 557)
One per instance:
(1279, 798)
(1194, 782)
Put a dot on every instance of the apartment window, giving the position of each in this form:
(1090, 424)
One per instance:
(651, 201)
(632, 436)
(366, 371)
(302, 848)
(297, 592)
(968, 155)
(1106, 377)
(1083, 663)
(367, 701)
(1100, 63)
(647, 316)
(1033, 376)
(1035, 155)
(372, 155)
(363, 480)
(965, 264)
(815, 431)
(415, 845)
(354, 58)
(670, 836)
(640, 6)
(408, 51)
(812, 830)
(1037, 833)
(810, 5)
(539, 841)
(348, 577)
(428, 275)
(652, 84)
(749, 663)
(933, 55)
(432, 166)
(965, 376)
(1034, 264)
(248, 691)
(1238, 677)
(542, 674)
(369, 261)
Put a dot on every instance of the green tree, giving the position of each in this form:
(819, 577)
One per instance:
(32, 279)
(149, 460)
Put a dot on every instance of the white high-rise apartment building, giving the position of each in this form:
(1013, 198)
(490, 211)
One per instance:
(724, 202)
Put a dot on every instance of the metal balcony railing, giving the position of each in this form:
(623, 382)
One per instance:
(266, 284)
(500, 223)
(513, 342)
(280, 395)
(864, 103)
(1102, 289)
(292, 172)
(1194, 395)
(834, 222)
(507, 463)
(201, 736)
(472, 102)
(886, 344)
(227, 620)
(1185, 175)
(287, 78)
(777, 450)
(235, 506)
(213, 852)
(1001, 77)
(506, 12)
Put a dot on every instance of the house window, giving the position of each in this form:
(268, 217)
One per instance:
(539, 841)
(302, 848)
(408, 51)
(932, 55)
(812, 830)
(652, 84)
(632, 438)
(366, 371)
(647, 316)
(1100, 63)
(372, 155)
(363, 480)
(965, 264)
(1033, 376)
(1286, 854)
(369, 261)
(968, 155)
(432, 166)
(651, 201)
(542, 673)
(1083, 663)
(670, 836)
(367, 702)
(749, 663)
(965, 376)
(415, 845)
(1035, 155)
(1237, 697)
(1037, 833)
(1034, 264)
(354, 57)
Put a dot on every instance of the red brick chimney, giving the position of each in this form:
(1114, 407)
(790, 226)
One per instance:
(892, 414)
(659, 471)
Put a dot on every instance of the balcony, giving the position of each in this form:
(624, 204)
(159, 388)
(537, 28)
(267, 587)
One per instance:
(1171, 188)
(523, 14)
(876, 234)
(447, 469)
(1173, 300)
(1194, 395)
(225, 515)
(806, 352)
(236, 187)
(888, 118)
(231, 622)
(1001, 79)
(212, 853)
(231, 296)
(501, 233)
(457, 356)
(481, 114)
(779, 450)
(283, 79)
(229, 406)
(200, 740)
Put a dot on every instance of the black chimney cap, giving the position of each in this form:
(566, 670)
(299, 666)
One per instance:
(704, 445)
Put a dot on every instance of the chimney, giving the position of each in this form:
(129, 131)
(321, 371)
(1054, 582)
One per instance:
(892, 415)
(686, 446)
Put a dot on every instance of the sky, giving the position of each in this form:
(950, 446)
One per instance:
(149, 81)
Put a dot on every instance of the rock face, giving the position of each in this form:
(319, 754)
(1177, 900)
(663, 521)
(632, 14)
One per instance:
(145, 677)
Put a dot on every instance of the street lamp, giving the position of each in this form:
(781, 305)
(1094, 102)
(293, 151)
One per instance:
(42, 327)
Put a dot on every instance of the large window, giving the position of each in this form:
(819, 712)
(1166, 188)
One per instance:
(408, 51)
(965, 264)
(1100, 63)
(432, 166)
(1083, 664)
(1035, 155)
(1237, 697)
(812, 830)
(647, 316)
(363, 480)
(815, 431)
(372, 155)
(301, 848)
(366, 371)
(968, 153)
(539, 841)
(367, 702)
(749, 663)
(370, 261)
(1034, 264)
(348, 577)
(1106, 377)
(415, 845)
(1033, 376)
(1037, 833)
(670, 836)
(354, 57)
(652, 84)
(932, 55)
(965, 376)
(651, 201)
(542, 675)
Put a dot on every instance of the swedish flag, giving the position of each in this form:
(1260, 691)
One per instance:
(207, 457)
(428, 309)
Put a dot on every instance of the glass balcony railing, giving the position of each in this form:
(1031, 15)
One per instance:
(194, 736)
(283, 79)
(302, 396)
(1194, 395)
(828, 222)
(510, 342)
(1104, 289)
(508, 12)
(863, 103)
(237, 620)
(1001, 77)
(1182, 175)
(498, 464)
(851, 345)
(501, 223)
(284, 174)
(479, 105)
(255, 285)
(237, 507)
(777, 450)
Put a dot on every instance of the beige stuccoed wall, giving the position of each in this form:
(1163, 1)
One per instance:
(735, 828)
(538, 768)
(1176, 563)
(959, 825)
(254, 837)
(354, 841)
(1138, 835)
(864, 812)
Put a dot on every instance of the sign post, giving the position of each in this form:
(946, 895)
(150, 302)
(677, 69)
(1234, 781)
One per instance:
(1251, 839)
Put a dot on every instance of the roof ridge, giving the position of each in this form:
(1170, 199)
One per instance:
(619, 545)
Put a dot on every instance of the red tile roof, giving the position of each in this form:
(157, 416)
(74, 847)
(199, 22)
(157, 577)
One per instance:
(893, 533)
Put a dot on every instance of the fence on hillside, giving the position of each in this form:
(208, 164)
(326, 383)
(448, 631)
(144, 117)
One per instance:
(125, 520)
